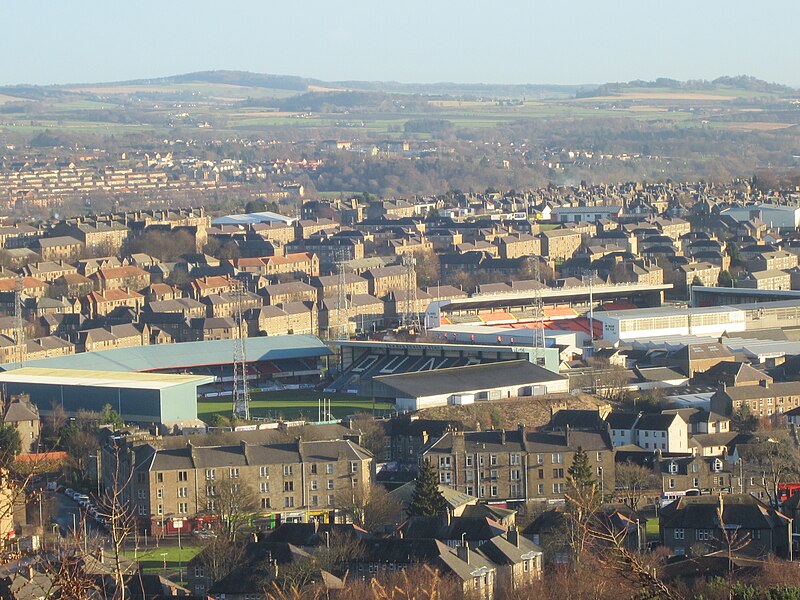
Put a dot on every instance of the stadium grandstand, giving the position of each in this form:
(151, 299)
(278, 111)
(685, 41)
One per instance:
(361, 361)
(272, 361)
(518, 305)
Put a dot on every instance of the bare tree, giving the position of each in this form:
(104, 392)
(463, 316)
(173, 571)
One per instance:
(232, 500)
(369, 507)
(632, 481)
(769, 460)
(113, 506)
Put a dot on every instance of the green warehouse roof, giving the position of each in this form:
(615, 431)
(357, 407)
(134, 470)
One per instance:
(187, 354)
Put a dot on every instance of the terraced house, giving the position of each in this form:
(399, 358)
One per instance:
(517, 465)
(293, 482)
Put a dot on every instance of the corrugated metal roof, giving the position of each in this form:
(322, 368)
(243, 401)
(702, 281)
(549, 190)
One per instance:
(187, 354)
(94, 378)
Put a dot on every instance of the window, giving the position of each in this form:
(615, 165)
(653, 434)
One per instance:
(198, 572)
(210, 505)
(183, 508)
(142, 510)
(183, 476)
(160, 510)
(330, 484)
(264, 487)
(493, 460)
(211, 474)
(493, 474)
(515, 474)
(480, 460)
(558, 488)
(672, 484)
(210, 490)
(678, 534)
(141, 477)
(482, 491)
(183, 492)
(313, 468)
(233, 472)
(141, 495)
(469, 476)
(557, 458)
(540, 489)
(599, 459)
(695, 482)
(703, 535)
(263, 471)
(288, 502)
(695, 468)
(525, 566)
(160, 493)
(540, 459)
(558, 473)
(493, 490)
(514, 459)
(445, 477)
(287, 470)
(288, 486)
(673, 468)
(468, 460)
(646, 434)
(265, 503)
(314, 484)
(444, 462)
(330, 500)
(469, 490)
(541, 473)
(663, 434)
(329, 468)
(160, 477)
(354, 466)
(314, 500)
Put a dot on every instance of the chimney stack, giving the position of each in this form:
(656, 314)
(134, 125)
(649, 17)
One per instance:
(463, 552)
(513, 536)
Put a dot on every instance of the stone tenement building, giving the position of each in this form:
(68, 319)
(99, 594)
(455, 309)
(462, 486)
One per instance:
(293, 482)
(517, 465)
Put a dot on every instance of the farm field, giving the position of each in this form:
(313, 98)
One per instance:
(293, 404)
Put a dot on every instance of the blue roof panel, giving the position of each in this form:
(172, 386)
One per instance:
(187, 354)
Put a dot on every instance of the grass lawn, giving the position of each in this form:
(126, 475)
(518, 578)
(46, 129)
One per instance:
(293, 404)
(652, 529)
(152, 561)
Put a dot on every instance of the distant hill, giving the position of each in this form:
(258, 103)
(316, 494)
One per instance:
(745, 83)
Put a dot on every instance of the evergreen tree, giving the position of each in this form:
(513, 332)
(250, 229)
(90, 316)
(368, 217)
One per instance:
(581, 472)
(427, 500)
(10, 445)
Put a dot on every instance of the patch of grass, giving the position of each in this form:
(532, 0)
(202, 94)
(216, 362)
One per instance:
(651, 528)
(293, 404)
(151, 560)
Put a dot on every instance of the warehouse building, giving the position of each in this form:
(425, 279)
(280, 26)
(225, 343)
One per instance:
(466, 384)
(654, 322)
(137, 397)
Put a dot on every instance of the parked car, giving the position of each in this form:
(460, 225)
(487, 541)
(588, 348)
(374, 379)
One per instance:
(68, 492)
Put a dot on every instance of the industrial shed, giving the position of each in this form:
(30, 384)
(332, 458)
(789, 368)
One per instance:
(139, 397)
(464, 385)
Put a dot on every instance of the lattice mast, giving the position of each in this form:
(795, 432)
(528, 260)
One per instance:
(241, 390)
(538, 314)
(19, 321)
(342, 328)
(410, 317)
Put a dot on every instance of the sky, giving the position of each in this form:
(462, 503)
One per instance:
(413, 41)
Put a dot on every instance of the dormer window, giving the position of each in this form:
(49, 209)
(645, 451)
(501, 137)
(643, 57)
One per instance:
(717, 465)
(673, 468)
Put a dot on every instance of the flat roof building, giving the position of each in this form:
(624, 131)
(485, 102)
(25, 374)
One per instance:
(139, 397)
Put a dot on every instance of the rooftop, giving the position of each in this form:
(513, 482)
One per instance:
(93, 378)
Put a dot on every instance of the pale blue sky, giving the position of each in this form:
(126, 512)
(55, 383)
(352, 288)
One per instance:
(516, 41)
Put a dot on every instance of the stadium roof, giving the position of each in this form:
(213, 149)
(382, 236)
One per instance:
(249, 218)
(473, 377)
(187, 354)
(109, 379)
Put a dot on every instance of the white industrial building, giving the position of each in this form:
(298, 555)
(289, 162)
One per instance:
(635, 324)
(783, 217)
